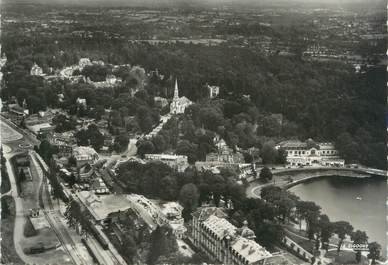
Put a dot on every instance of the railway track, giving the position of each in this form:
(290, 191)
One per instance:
(56, 224)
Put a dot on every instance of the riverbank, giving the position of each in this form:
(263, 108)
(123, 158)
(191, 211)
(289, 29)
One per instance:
(289, 178)
(360, 201)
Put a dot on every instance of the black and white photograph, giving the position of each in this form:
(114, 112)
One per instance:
(228, 132)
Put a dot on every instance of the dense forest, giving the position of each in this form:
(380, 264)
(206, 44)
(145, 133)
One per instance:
(326, 101)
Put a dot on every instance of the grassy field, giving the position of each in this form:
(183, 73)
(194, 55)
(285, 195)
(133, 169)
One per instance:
(8, 252)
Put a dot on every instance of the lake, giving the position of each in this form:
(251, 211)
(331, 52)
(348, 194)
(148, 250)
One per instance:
(338, 198)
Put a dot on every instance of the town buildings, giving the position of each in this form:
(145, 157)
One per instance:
(101, 206)
(84, 62)
(224, 153)
(85, 173)
(41, 128)
(179, 104)
(84, 155)
(224, 243)
(17, 113)
(81, 102)
(173, 213)
(110, 81)
(177, 162)
(64, 143)
(310, 153)
(40, 123)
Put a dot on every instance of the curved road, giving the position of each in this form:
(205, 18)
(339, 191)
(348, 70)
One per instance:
(21, 211)
(281, 177)
(18, 235)
(9, 137)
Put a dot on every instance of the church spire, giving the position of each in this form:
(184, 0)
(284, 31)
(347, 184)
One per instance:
(176, 92)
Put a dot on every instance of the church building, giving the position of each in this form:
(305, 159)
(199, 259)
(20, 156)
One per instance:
(179, 104)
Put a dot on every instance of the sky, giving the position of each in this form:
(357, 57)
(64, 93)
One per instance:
(237, 4)
(129, 2)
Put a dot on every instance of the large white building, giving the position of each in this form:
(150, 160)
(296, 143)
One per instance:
(179, 104)
(178, 162)
(310, 153)
(84, 155)
(214, 91)
(36, 70)
(223, 242)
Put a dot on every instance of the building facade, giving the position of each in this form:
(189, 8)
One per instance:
(223, 242)
(310, 153)
(84, 155)
(36, 70)
(224, 153)
(178, 162)
(214, 91)
(64, 142)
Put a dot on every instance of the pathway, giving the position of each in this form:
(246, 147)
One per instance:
(156, 130)
(18, 235)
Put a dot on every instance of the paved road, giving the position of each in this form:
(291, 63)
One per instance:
(28, 137)
(281, 176)
(124, 156)
(21, 212)
(18, 235)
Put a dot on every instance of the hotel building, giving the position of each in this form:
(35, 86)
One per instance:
(224, 243)
(310, 153)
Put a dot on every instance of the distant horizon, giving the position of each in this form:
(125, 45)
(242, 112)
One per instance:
(197, 2)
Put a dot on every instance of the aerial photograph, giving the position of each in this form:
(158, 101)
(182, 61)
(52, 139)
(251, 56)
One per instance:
(233, 132)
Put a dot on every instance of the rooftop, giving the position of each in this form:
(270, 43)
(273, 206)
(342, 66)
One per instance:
(164, 156)
(220, 226)
(38, 127)
(84, 152)
(39, 222)
(250, 250)
(101, 206)
(205, 212)
(240, 238)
